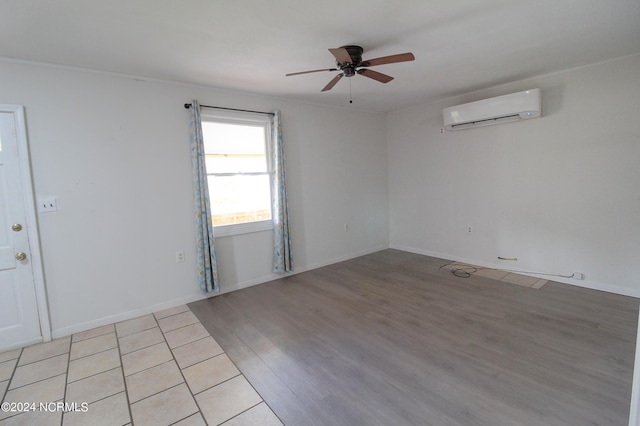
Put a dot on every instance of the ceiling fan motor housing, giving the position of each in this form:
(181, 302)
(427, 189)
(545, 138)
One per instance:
(349, 69)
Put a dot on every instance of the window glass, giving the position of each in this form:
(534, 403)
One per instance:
(238, 171)
(234, 148)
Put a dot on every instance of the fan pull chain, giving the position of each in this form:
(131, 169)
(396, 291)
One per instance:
(350, 99)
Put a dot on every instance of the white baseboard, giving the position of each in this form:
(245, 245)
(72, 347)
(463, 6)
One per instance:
(594, 285)
(228, 288)
(76, 328)
(341, 258)
(297, 270)
(21, 344)
(634, 412)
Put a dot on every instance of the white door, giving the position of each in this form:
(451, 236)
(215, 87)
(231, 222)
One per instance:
(19, 318)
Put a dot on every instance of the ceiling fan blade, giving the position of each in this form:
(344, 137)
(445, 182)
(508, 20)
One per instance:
(307, 72)
(332, 83)
(401, 57)
(342, 55)
(378, 76)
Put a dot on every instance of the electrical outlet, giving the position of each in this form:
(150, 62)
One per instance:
(179, 256)
(469, 230)
(578, 276)
(47, 204)
(346, 226)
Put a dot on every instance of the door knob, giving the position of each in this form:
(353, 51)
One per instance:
(17, 227)
(21, 255)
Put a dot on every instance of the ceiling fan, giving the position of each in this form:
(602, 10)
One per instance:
(349, 62)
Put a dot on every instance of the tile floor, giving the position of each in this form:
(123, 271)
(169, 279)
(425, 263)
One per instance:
(159, 369)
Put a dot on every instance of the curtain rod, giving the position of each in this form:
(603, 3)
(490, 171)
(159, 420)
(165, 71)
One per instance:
(187, 106)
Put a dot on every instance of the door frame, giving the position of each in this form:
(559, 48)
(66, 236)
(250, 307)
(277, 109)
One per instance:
(28, 200)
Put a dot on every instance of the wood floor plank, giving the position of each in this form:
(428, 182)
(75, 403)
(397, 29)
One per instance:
(393, 338)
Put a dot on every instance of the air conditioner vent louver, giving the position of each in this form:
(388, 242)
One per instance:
(502, 109)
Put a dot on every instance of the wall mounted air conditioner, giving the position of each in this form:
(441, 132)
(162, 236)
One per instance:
(501, 109)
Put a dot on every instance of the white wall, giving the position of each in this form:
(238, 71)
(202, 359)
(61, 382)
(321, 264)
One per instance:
(115, 152)
(560, 193)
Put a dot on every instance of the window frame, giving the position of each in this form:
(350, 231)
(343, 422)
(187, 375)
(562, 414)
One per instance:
(248, 119)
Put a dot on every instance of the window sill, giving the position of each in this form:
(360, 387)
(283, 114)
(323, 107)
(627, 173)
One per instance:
(242, 228)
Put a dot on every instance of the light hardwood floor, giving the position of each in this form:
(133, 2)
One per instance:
(393, 339)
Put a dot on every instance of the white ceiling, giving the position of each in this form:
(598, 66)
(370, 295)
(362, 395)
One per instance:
(249, 45)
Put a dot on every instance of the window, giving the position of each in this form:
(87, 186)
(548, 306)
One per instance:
(237, 147)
